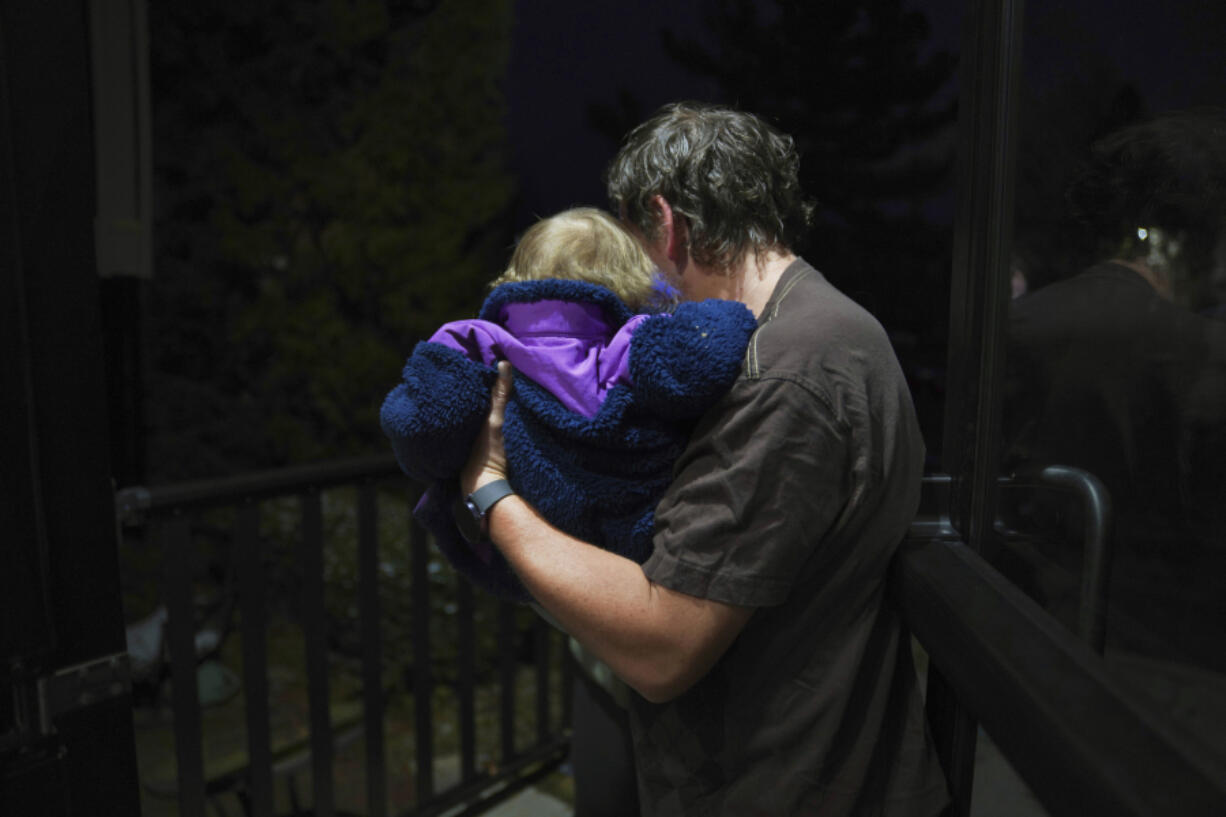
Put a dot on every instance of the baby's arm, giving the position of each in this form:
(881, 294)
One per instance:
(681, 363)
(432, 416)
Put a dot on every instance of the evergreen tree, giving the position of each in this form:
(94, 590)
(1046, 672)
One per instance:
(331, 185)
(848, 79)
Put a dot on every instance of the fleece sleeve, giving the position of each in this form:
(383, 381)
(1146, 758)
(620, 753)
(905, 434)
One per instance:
(435, 412)
(683, 362)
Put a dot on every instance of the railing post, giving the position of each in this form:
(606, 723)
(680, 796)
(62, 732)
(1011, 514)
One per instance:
(506, 653)
(955, 732)
(181, 639)
(168, 508)
(467, 659)
(567, 690)
(315, 632)
(423, 681)
(252, 585)
(372, 649)
(541, 633)
(979, 292)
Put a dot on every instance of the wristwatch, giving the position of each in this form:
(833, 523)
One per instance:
(473, 518)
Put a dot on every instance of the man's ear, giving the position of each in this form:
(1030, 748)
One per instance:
(673, 232)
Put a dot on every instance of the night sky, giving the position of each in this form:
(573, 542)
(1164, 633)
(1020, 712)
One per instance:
(567, 56)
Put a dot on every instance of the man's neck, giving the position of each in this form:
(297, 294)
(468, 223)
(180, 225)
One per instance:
(753, 281)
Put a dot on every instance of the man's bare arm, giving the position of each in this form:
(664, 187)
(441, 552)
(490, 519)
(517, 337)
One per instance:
(657, 640)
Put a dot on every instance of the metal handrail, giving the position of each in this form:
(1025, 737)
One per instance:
(1079, 738)
(168, 511)
(1096, 563)
(135, 503)
(934, 522)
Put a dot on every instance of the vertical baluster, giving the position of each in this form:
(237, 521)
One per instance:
(423, 682)
(507, 634)
(954, 733)
(315, 632)
(567, 681)
(541, 633)
(181, 639)
(372, 650)
(468, 659)
(252, 585)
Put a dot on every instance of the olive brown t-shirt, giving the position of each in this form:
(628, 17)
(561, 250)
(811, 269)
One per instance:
(791, 498)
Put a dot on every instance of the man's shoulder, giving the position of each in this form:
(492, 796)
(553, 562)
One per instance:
(811, 329)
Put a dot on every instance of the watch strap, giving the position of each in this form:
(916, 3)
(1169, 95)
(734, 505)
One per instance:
(488, 495)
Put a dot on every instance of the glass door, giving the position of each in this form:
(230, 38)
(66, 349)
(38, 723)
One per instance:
(1085, 419)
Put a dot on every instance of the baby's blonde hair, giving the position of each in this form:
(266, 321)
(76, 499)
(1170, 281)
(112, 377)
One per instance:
(585, 244)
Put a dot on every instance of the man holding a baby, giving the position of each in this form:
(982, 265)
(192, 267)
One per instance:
(773, 675)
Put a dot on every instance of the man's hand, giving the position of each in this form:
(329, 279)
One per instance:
(488, 460)
(658, 640)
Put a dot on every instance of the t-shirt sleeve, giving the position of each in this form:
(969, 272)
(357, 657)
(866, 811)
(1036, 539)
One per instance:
(763, 478)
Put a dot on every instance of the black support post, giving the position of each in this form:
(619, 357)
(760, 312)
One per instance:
(372, 650)
(316, 634)
(507, 634)
(468, 661)
(60, 597)
(983, 229)
(423, 677)
(541, 649)
(175, 537)
(252, 586)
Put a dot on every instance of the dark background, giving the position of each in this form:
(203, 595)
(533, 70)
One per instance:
(332, 181)
(335, 179)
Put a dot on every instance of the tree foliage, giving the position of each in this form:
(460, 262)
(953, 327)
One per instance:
(331, 185)
(847, 79)
(851, 81)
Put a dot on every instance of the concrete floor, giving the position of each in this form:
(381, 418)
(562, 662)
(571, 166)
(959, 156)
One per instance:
(1192, 698)
(998, 792)
(531, 803)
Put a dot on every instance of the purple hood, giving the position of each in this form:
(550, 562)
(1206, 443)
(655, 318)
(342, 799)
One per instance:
(571, 349)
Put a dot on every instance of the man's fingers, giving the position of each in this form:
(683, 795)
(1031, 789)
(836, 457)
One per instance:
(488, 460)
(502, 391)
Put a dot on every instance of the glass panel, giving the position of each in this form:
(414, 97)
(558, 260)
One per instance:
(1117, 337)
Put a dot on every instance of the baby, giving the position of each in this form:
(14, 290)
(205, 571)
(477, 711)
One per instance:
(607, 387)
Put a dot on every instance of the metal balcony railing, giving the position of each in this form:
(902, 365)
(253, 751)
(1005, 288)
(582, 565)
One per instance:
(168, 514)
(1083, 741)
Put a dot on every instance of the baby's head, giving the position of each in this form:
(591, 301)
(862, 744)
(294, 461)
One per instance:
(586, 244)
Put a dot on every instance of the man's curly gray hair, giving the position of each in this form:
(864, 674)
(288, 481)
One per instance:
(731, 175)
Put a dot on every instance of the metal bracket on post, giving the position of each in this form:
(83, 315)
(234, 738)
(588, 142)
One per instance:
(131, 505)
(37, 702)
(80, 686)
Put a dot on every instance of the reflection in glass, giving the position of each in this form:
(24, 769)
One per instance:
(1118, 367)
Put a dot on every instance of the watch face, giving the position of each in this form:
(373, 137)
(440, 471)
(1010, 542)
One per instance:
(468, 519)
